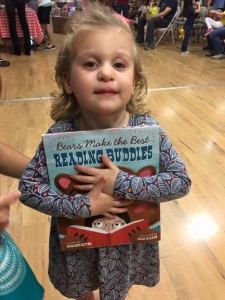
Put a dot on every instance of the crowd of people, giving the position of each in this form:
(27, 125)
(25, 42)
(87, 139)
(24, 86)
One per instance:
(215, 33)
(43, 13)
(165, 12)
(150, 15)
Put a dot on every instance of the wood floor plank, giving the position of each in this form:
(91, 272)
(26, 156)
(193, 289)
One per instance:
(187, 96)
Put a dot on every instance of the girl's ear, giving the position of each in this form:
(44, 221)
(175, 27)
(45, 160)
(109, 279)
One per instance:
(67, 84)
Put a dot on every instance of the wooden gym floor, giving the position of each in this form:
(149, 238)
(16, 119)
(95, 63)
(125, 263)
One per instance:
(187, 96)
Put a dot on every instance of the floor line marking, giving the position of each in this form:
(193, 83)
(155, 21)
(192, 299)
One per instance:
(187, 87)
(149, 90)
(26, 99)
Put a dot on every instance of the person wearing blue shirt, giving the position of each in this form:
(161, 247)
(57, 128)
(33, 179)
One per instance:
(163, 18)
(217, 4)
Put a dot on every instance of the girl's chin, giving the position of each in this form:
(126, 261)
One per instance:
(112, 114)
(108, 109)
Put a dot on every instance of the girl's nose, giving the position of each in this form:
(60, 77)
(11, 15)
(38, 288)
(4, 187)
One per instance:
(106, 73)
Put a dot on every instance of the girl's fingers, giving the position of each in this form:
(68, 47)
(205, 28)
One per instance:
(97, 189)
(117, 210)
(86, 170)
(95, 171)
(122, 203)
(83, 187)
(109, 215)
(83, 178)
(108, 163)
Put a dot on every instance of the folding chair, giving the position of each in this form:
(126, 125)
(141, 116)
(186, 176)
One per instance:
(199, 27)
(179, 25)
(170, 29)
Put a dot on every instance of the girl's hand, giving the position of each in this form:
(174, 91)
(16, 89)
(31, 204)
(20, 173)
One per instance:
(88, 176)
(5, 201)
(104, 204)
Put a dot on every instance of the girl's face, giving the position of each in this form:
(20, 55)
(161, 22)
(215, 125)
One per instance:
(102, 72)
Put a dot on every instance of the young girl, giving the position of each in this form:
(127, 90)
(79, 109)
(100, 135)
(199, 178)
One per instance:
(213, 24)
(190, 9)
(151, 9)
(102, 85)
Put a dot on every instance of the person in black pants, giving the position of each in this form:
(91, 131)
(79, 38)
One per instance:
(11, 6)
(122, 6)
(161, 20)
(190, 10)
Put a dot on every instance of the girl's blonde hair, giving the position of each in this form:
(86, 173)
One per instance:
(94, 15)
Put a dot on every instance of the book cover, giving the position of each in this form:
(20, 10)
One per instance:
(134, 150)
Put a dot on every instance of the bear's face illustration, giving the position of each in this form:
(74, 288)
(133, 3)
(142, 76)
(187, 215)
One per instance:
(65, 183)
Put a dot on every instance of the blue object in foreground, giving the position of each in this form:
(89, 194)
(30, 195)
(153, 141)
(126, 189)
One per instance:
(17, 281)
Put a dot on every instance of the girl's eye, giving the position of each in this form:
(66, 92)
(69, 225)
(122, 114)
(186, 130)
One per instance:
(119, 65)
(90, 64)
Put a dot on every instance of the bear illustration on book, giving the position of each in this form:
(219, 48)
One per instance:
(140, 224)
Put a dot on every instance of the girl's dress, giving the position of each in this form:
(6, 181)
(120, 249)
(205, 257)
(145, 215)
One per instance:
(17, 281)
(112, 270)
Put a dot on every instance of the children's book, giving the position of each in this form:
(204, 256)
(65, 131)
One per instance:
(135, 150)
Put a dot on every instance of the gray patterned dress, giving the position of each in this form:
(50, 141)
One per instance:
(112, 270)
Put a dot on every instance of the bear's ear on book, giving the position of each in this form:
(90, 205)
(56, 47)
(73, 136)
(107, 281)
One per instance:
(145, 171)
(65, 184)
(127, 170)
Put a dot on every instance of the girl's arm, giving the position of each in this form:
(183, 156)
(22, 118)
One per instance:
(222, 16)
(12, 163)
(198, 9)
(208, 4)
(171, 182)
(149, 8)
(38, 194)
